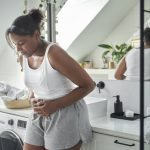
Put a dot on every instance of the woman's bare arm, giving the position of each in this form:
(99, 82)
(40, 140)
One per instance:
(121, 68)
(62, 62)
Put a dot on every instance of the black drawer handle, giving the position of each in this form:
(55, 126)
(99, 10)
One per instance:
(117, 142)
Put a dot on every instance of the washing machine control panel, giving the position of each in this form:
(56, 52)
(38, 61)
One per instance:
(21, 123)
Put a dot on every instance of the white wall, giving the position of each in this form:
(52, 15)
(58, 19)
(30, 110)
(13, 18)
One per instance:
(129, 92)
(9, 68)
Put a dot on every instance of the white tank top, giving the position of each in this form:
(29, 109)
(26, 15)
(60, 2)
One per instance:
(133, 64)
(46, 82)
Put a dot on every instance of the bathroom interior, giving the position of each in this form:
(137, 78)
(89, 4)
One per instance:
(80, 26)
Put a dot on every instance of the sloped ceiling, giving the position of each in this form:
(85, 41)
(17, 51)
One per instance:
(101, 27)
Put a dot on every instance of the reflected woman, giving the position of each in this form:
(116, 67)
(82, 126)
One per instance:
(129, 66)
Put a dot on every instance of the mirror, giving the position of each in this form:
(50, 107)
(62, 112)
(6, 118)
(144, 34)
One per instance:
(106, 26)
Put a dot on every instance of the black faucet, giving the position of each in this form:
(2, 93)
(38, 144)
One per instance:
(100, 85)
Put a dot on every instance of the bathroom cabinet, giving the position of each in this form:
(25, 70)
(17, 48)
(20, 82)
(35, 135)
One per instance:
(108, 142)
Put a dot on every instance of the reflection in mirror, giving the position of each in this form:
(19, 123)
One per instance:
(129, 66)
(100, 28)
(146, 91)
(147, 115)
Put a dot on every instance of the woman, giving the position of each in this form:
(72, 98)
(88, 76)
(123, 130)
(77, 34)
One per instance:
(129, 66)
(60, 119)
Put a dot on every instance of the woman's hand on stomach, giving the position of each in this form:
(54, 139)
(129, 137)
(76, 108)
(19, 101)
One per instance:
(45, 107)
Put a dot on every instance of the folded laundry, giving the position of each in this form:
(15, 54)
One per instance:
(8, 92)
(22, 94)
(3, 88)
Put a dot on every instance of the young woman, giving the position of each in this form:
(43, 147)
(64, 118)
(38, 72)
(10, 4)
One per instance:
(60, 119)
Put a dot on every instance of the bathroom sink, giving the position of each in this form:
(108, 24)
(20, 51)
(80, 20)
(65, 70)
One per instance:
(97, 107)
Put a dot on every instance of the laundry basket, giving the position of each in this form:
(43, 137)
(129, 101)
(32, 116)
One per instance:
(16, 104)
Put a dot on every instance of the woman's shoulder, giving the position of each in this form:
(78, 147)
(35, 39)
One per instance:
(55, 49)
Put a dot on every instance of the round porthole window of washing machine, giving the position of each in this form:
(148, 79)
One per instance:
(9, 140)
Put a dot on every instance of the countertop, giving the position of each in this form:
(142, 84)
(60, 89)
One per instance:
(105, 125)
(117, 127)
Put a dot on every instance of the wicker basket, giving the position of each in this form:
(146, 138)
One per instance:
(15, 104)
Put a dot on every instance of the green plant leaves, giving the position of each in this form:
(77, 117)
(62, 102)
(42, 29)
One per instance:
(117, 51)
(105, 54)
(106, 46)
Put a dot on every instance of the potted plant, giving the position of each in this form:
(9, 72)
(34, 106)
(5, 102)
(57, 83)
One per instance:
(115, 52)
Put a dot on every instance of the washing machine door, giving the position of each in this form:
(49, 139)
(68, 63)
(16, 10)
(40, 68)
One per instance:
(9, 140)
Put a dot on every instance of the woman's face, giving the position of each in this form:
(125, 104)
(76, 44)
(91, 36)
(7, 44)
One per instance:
(26, 45)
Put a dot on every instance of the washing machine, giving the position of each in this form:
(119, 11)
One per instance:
(12, 129)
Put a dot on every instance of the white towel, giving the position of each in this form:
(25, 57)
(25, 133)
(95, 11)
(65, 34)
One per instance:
(8, 92)
(12, 91)
(22, 94)
(3, 88)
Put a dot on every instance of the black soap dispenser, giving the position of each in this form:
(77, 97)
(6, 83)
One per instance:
(118, 109)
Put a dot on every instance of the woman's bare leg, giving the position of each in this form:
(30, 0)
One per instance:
(76, 147)
(32, 147)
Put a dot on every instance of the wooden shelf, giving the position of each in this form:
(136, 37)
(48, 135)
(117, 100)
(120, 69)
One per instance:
(101, 73)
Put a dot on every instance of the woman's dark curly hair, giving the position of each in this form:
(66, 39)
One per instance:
(25, 25)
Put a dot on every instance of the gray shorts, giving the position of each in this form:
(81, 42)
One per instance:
(61, 130)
